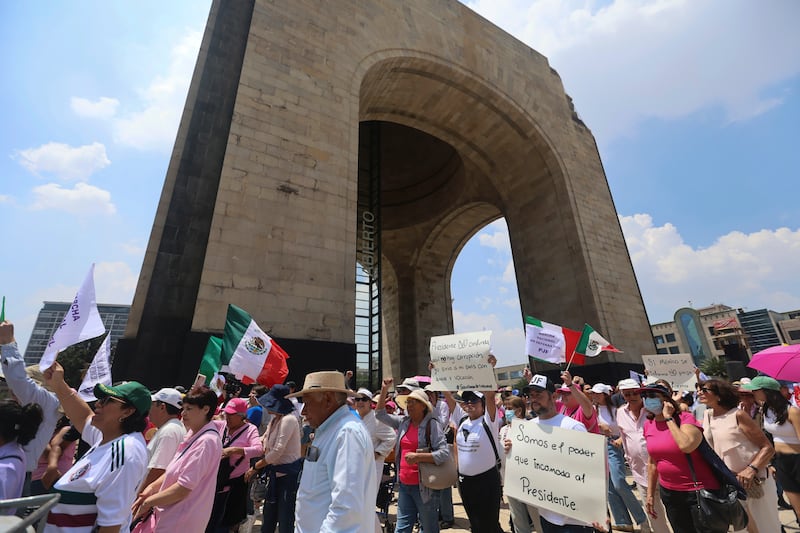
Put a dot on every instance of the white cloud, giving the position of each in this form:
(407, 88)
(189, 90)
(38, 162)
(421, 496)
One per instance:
(83, 199)
(104, 108)
(720, 53)
(70, 163)
(754, 270)
(132, 248)
(155, 125)
(114, 282)
(508, 344)
(6, 199)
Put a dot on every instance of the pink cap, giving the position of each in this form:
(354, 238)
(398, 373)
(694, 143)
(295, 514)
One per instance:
(237, 406)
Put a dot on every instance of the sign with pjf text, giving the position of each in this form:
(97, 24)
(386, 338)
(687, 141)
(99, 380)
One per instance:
(559, 470)
(677, 369)
(460, 362)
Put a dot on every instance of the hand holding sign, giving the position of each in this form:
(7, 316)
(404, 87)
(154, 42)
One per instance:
(462, 362)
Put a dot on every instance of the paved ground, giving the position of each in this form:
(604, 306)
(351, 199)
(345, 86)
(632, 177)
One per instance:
(462, 524)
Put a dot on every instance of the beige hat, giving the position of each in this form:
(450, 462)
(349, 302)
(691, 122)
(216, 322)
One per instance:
(419, 395)
(326, 381)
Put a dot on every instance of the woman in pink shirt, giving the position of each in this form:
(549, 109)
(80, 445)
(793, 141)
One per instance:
(181, 499)
(671, 435)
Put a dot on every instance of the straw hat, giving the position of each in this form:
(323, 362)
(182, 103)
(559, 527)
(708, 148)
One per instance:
(326, 381)
(418, 395)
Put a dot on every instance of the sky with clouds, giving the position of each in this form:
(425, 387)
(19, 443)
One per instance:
(694, 105)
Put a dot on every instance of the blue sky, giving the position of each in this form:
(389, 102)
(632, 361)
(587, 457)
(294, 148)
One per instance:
(695, 106)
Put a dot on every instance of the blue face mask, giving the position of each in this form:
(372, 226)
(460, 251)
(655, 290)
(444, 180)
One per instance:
(654, 405)
(510, 416)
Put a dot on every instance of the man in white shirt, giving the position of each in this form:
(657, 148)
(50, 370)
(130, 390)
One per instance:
(544, 407)
(337, 487)
(165, 414)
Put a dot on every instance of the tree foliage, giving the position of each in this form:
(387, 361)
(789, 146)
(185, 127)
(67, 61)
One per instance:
(714, 366)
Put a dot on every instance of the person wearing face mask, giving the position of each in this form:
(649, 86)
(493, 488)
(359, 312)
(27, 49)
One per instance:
(671, 434)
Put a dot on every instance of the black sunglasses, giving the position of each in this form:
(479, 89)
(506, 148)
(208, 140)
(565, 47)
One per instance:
(360, 399)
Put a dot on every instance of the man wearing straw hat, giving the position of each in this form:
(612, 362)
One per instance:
(337, 487)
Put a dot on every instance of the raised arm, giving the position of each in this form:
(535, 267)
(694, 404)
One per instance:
(583, 400)
(74, 407)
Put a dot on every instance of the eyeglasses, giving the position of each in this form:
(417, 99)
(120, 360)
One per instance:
(649, 395)
(630, 394)
(706, 389)
(104, 401)
(359, 399)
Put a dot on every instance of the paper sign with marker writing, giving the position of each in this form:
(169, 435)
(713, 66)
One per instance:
(558, 470)
(460, 362)
(677, 369)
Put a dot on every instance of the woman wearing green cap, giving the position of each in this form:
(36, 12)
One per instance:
(782, 421)
(99, 489)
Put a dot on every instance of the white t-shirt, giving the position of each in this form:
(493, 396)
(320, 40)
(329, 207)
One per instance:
(101, 487)
(162, 446)
(475, 452)
(564, 422)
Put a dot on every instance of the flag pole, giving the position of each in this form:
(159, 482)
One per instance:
(3, 311)
(571, 357)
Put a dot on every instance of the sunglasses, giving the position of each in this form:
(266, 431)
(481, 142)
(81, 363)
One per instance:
(706, 389)
(312, 454)
(359, 399)
(104, 401)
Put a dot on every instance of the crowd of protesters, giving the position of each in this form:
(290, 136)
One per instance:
(191, 460)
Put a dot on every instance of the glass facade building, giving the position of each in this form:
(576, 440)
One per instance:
(114, 317)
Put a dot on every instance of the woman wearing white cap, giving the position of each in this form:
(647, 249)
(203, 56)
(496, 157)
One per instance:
(416, 431)
(621, 499)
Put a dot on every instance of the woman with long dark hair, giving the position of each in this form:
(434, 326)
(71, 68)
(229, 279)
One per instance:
(744, 448)
(181, 499)
(782, 421)
(672, 437)
(18, 426)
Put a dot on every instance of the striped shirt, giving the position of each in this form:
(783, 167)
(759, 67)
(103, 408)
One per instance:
(101, 486)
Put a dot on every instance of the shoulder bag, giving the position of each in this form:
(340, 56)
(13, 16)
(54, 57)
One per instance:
(439, 476)
(717, 509)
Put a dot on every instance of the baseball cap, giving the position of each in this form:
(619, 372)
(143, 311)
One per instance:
(628, 384)
(762, 382)
(132, 392)
(236, 406)
(602, 388)
(364, 392)
(410, 384)
(469, 396)
(540, 382)
(169, 396)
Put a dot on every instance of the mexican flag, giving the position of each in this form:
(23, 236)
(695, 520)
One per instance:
(549, 342)
(591, 344)
(252, 355)
(212, 359)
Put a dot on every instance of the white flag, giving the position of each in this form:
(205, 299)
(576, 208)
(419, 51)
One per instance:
(81, 322)
(99, 371)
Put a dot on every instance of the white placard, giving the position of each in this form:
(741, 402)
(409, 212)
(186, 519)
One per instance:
(460, 362)
(677, 369)
(560, 470)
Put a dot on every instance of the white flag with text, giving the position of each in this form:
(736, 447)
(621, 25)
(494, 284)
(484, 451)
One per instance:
(99, 371)
(81, 322)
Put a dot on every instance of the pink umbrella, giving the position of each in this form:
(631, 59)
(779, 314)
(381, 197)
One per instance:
(780, 362)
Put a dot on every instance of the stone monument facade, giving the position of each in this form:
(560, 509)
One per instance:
(259, 205)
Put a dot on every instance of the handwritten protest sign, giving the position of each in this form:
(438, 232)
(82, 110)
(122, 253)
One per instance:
(560, 470)
(677, 369)
(460, 362)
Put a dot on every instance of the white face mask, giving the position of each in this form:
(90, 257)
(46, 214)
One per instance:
(654, 405)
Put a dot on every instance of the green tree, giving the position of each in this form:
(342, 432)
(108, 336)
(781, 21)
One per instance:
(714, 366)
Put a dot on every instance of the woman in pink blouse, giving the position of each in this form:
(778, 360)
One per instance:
(281, 462)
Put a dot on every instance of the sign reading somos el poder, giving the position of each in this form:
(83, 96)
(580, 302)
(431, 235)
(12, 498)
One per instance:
(677, 369)
(560, 470)
(460, 362)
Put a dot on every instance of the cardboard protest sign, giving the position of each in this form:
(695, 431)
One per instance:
(460, 362)
(677, 369)
(560, 470)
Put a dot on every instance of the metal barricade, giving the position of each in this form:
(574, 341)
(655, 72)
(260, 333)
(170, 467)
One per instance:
(42, 503)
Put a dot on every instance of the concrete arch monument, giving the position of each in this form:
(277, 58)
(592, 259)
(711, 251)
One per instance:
(439, 120)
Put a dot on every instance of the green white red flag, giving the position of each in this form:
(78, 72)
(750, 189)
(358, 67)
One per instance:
(549, 342)
(591, 344)
(252, 355)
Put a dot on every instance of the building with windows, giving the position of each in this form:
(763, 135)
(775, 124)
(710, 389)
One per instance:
(508, 376)
(720, 330)
(114, 317)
